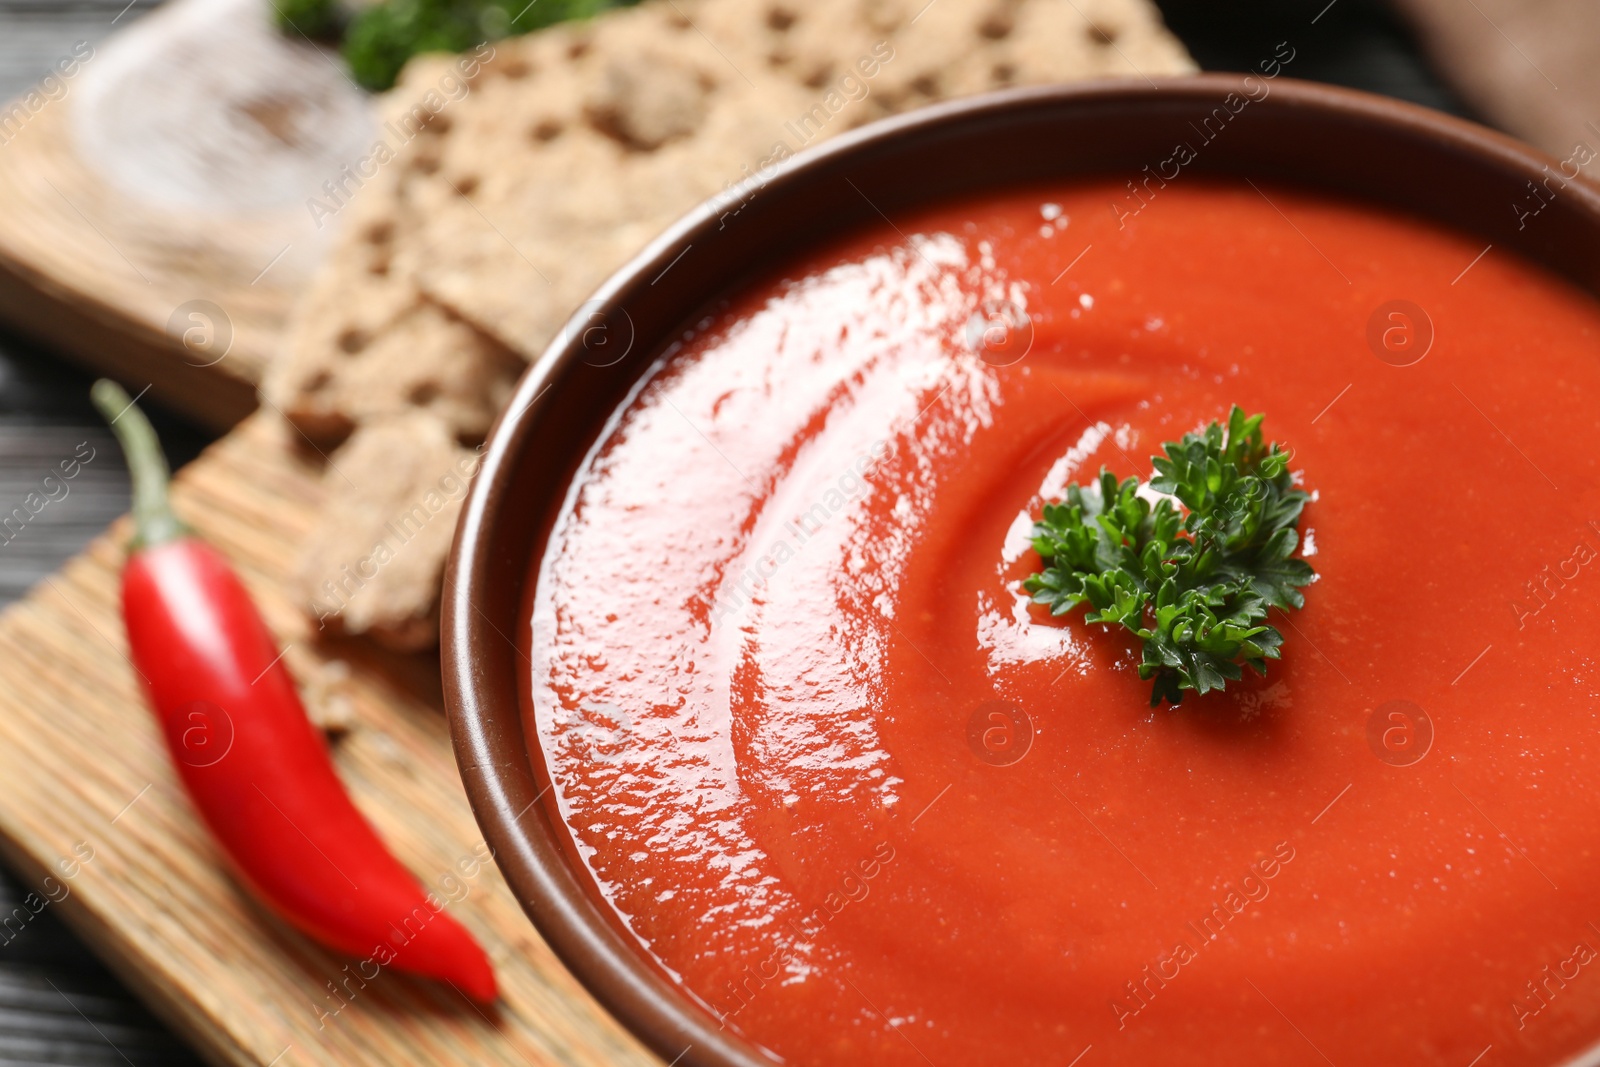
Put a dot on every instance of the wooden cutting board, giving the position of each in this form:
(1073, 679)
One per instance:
(89, 798)
(154, 188)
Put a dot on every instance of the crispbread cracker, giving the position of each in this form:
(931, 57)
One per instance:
(421, 357)
(535, 240)
(373, 563)
(531, 242)
(333, 371)
(577, 145)
(559, 192)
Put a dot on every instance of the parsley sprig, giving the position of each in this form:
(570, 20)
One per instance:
(1194, 580)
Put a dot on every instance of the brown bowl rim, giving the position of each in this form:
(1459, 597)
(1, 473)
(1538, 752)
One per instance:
(486, 728)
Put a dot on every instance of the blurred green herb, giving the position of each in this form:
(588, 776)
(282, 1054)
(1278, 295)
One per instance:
(380, 37)
(1193, 583)
(321, 20)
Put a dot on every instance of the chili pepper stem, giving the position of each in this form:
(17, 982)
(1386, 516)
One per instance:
(154, 521)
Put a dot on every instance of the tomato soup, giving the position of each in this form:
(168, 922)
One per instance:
(867, 805)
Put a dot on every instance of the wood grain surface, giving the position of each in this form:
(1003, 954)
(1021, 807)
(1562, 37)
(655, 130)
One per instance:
(154, 186)
(86, 272)
(90, 794)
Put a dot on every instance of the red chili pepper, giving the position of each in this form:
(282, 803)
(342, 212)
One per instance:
(254, 765)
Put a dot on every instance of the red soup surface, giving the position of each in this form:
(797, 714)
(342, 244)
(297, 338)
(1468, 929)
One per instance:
(868, 806)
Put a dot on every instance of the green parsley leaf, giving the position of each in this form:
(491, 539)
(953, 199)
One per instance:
(1193, 576)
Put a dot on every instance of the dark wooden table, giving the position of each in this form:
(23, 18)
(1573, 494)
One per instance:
(58, 1005)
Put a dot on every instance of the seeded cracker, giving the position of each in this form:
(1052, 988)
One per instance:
(374, 563)
(364, 342)
(536, 239)
(572, 149)
(637, 119)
